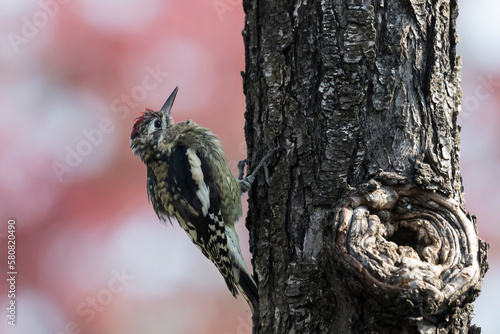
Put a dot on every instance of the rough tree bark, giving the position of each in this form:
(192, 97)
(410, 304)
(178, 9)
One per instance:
(363, 226)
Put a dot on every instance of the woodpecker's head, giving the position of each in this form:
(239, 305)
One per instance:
(150, 128)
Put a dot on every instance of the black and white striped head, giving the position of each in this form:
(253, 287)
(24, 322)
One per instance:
(150, 127)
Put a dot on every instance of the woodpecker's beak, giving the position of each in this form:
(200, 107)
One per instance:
(170, 102)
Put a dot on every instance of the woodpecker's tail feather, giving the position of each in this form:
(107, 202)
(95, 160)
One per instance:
(249, 291)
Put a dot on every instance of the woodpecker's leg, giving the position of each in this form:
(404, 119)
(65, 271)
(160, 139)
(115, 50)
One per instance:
(246, 183)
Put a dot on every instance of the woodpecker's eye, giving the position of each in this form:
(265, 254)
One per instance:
(157, 123)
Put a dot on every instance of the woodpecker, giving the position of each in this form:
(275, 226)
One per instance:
(189, 179)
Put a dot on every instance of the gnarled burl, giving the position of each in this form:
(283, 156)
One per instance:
(415, 250)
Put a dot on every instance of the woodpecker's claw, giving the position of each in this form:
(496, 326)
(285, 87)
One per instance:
(263, 164)
(241, 168)
(246, 183)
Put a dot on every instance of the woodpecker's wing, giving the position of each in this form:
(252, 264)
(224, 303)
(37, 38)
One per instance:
(196, 206)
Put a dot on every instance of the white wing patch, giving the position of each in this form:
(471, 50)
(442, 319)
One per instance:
(233, 244)
(203, 192)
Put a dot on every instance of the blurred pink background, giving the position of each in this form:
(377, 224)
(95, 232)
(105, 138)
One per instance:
(91, 254)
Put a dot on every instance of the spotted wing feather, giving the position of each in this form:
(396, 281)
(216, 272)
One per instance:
(188, 175)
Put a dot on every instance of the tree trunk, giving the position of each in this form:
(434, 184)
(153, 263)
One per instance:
(362, 228)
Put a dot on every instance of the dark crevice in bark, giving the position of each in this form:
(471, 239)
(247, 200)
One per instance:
(430, 31)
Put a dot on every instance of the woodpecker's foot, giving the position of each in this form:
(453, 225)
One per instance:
(246, 183)
(241, 168)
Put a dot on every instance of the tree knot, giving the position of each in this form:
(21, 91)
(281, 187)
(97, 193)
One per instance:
(414, 249)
